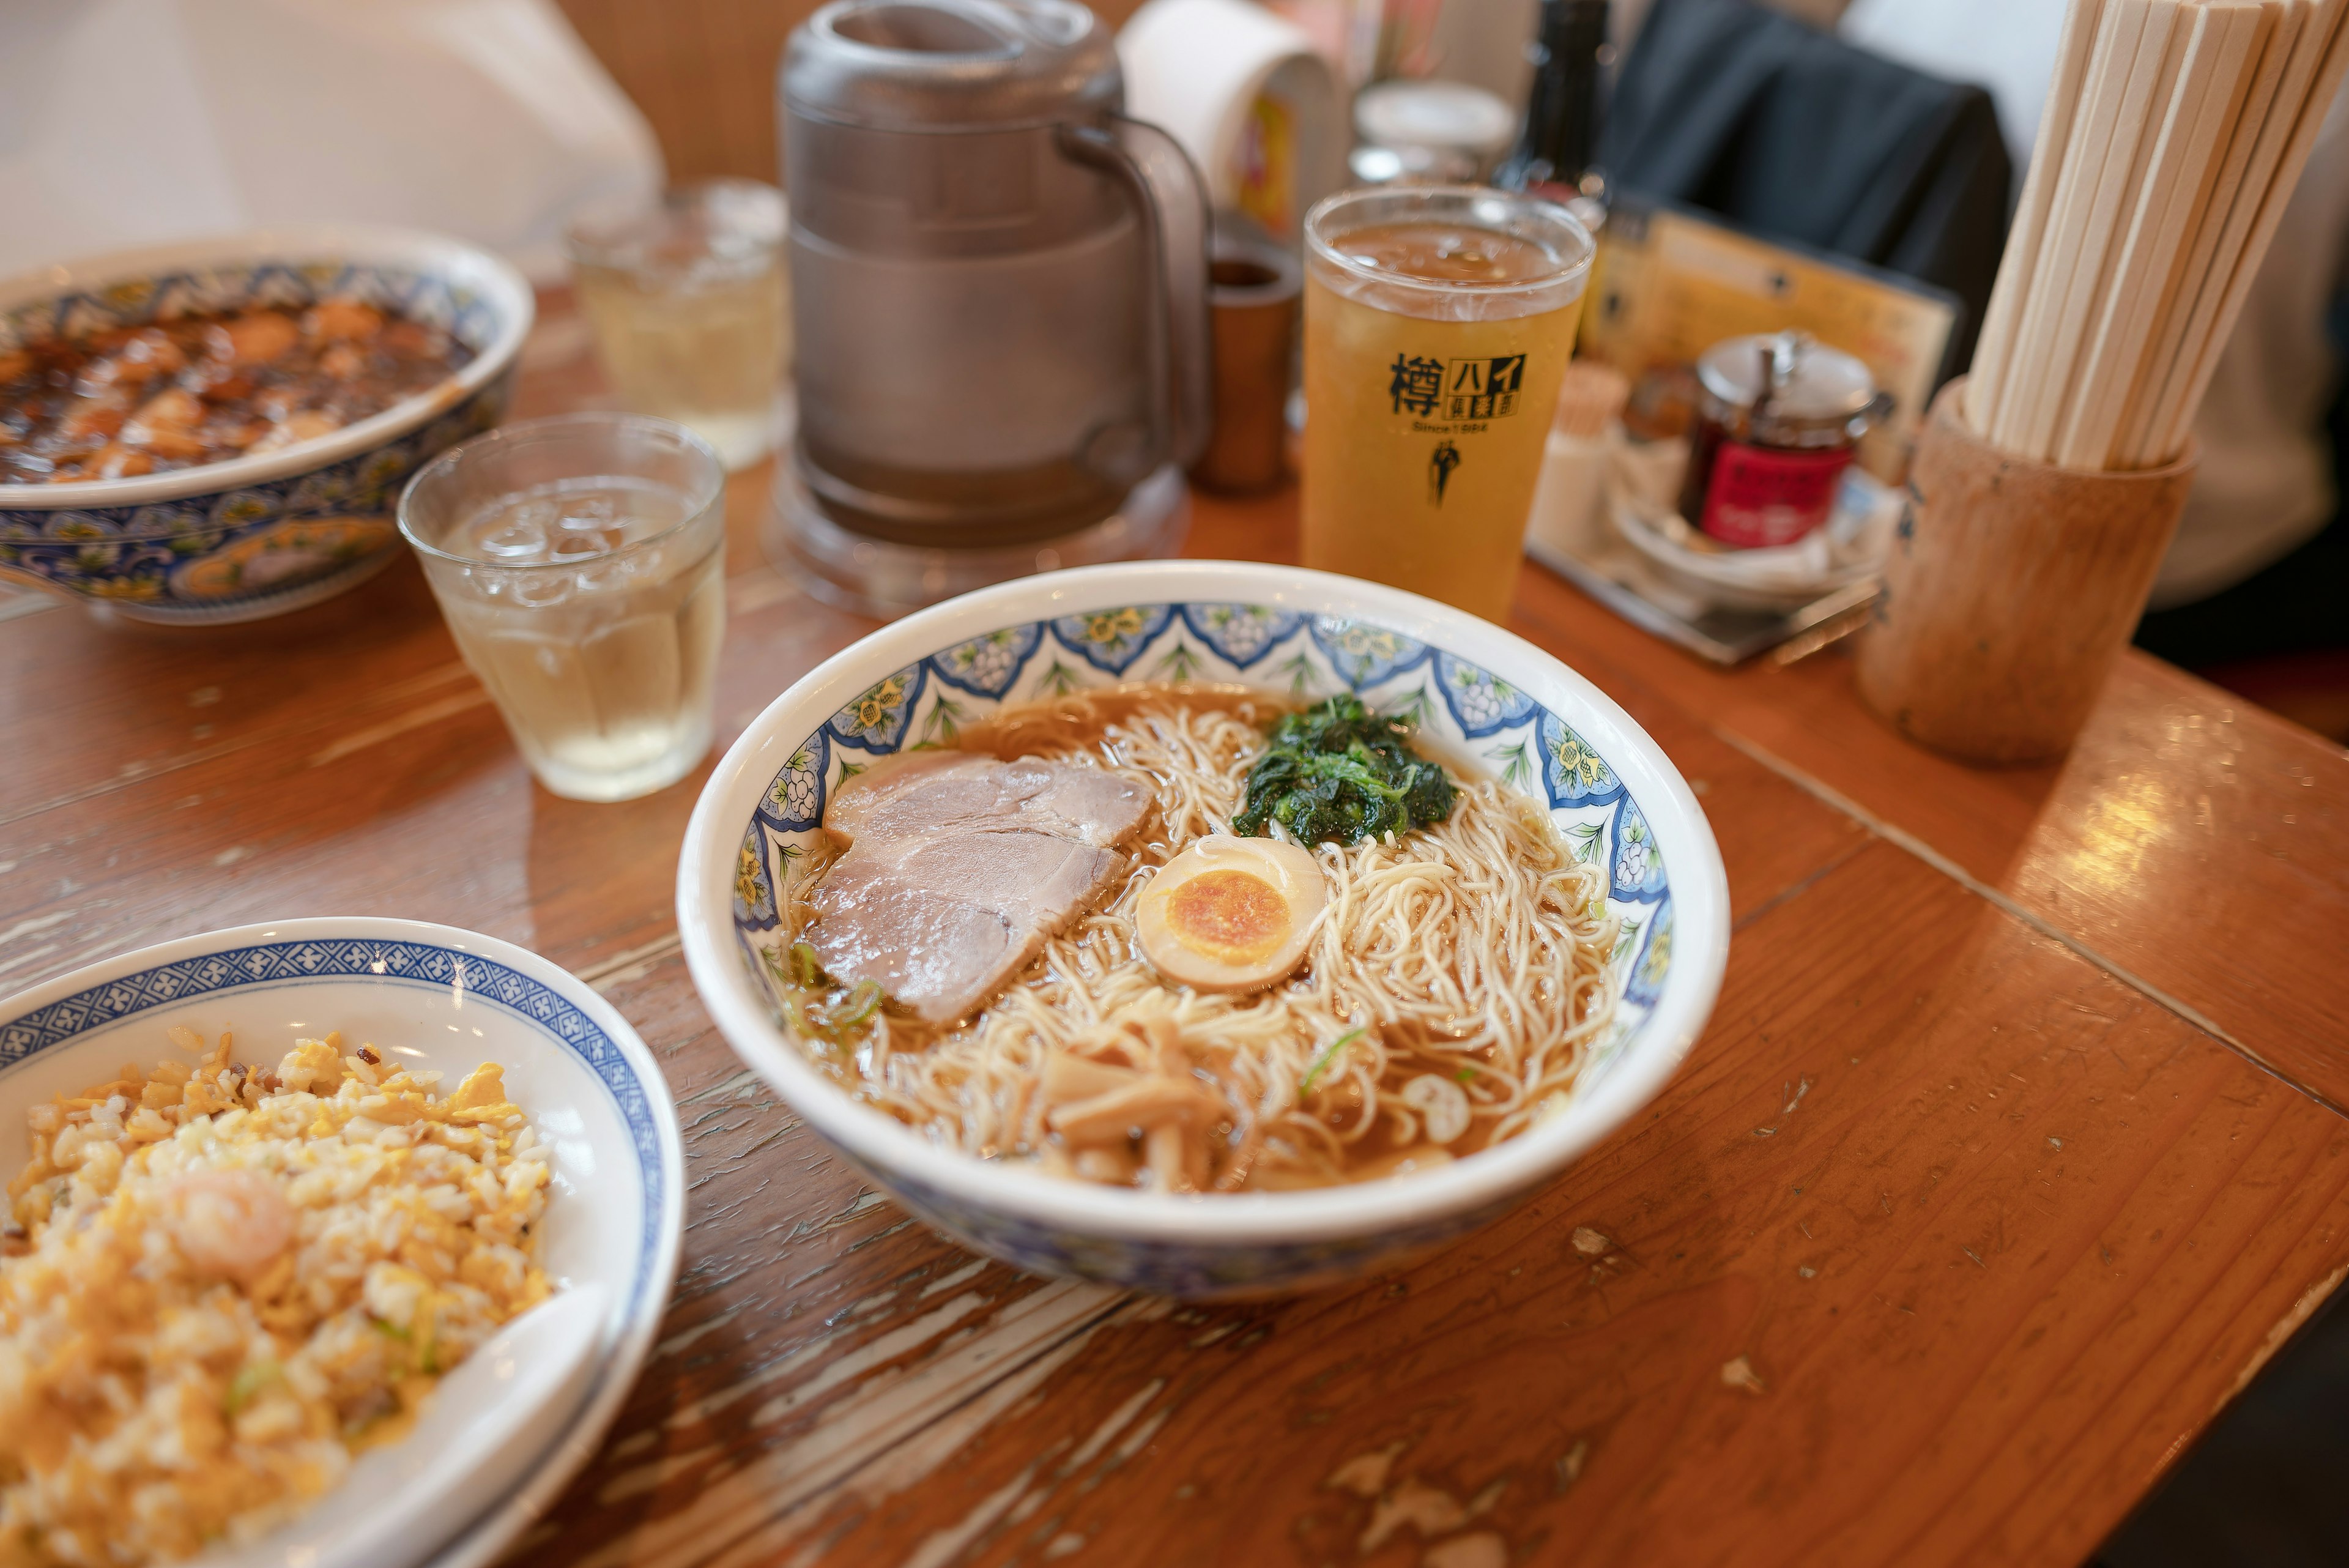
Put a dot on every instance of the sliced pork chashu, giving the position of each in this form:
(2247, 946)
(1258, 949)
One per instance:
(943, 920)
(960, 867)
(928, 792)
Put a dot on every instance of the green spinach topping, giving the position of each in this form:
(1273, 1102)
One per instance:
(1338, 773)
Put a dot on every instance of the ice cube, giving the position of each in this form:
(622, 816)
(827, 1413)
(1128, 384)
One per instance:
(609, 573)
(514, 533)
(539, 590)
(642, 525)
(582, 545)
(590, 513)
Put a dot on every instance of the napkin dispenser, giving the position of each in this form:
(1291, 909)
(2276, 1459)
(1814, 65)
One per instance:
(999, 282)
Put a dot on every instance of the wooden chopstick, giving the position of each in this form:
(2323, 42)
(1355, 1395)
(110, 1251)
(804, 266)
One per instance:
(2213, 76)
(2310, 82)
(1994, 351)
(2103, 80)
(2135, 445)
(2123, 75)
(2173, 135)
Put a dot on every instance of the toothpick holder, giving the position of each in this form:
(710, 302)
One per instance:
(2010, 588)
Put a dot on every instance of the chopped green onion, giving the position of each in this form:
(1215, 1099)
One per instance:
(1339, 1044)
(249, 1381)
(832, 1017)
(860, 1005)
(1465, 1075)
(810, 972)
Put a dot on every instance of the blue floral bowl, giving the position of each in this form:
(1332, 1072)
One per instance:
(1478, 691)
(255, 536)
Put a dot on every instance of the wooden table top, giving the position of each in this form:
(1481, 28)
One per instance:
(2008, 1156)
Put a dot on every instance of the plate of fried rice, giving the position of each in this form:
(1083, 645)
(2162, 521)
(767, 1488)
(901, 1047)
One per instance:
(358, 1205)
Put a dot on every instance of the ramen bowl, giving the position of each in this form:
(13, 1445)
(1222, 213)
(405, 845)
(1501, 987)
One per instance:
(1477, 693)
(260, 534)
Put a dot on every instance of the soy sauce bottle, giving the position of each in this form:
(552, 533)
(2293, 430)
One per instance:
(1555, 156)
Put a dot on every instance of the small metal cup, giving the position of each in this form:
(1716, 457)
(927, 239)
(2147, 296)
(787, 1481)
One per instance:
(1252, 299)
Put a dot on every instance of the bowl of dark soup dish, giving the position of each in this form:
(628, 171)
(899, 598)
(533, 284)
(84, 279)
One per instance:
(218, 429)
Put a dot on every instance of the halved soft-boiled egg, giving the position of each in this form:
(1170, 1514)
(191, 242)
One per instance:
(1231, 914)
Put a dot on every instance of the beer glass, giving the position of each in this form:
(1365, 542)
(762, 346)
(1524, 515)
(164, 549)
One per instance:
(1438, 323)
(581, 562)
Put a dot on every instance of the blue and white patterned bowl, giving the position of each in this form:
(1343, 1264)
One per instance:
(257, 536)
(445, 999)
(1539, 727)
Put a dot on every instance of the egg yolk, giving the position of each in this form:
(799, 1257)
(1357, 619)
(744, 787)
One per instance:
(1231, 914)
(1228, 914)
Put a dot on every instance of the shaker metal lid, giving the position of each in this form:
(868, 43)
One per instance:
(1807, 380)
(1374, 165)
(950, 65)
(1435, 114)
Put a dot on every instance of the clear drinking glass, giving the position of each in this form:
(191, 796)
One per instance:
(691, 304)
(581, 562)
(1438, 323)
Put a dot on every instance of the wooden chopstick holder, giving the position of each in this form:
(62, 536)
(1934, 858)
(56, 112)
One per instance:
(2010, 588)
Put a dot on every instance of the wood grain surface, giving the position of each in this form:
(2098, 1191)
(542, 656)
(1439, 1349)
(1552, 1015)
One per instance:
(2193, 842)
(1973, 1206)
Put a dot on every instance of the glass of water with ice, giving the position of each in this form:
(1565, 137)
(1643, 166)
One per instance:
(581, 562)
(691, 304)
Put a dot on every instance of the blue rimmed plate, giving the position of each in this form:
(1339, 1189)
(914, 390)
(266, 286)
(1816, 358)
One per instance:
(445, 999)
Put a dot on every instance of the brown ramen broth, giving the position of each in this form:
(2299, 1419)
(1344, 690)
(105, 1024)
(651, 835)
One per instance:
(1448, 995)
(196, 390)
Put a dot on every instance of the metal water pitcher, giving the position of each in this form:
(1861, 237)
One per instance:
(998, 282)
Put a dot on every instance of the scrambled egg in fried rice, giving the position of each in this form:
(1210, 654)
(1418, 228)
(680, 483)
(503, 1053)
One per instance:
(218, 1283)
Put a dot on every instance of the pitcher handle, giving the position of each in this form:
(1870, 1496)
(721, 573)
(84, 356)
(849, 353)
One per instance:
(1172, 205)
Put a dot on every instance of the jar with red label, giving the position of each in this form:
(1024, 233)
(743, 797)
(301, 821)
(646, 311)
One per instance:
(1778, 416)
